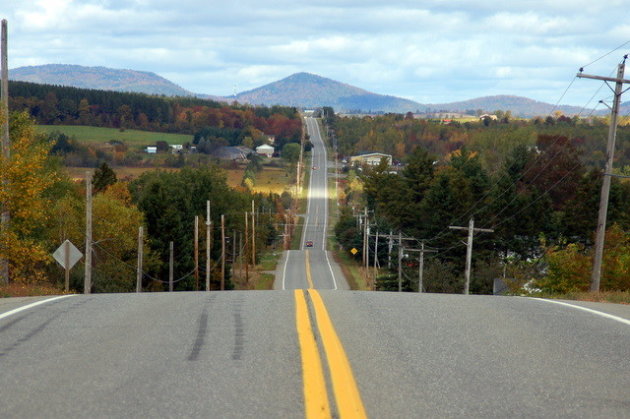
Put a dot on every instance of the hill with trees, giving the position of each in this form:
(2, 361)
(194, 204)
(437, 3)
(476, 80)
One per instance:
(102, 78)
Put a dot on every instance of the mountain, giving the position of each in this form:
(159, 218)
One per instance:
(518, 105)
(101, 78)
(310, 90)
(301, 90)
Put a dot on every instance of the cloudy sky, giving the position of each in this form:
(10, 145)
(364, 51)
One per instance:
(431, 51)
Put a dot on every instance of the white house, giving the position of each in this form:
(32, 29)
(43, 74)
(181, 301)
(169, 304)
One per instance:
(265, 150)
(371, 159)
(151, 149)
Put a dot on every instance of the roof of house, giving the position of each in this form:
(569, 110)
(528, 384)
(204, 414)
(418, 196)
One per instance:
(232, 153)
(265, 147)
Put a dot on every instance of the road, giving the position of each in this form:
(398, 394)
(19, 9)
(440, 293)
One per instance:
(312, 267)
(312, 351)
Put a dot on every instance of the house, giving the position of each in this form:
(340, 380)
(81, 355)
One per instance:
(239, 153)
(485, 115)
(151, 150)
(176, 148)
(370, 159)
(265, 150)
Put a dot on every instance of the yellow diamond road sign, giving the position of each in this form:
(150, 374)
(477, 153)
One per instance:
(354, 251)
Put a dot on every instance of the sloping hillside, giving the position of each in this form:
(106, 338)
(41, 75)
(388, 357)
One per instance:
(101, 78)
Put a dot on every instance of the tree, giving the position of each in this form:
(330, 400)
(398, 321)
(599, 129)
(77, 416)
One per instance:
(291, 152)
(104, 176)
(29, 176)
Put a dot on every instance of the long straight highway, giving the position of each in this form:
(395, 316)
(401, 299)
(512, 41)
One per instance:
(312, 349)
(312, 266)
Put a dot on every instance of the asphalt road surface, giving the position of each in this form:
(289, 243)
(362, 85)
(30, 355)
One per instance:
(311, 349)
(312, 266)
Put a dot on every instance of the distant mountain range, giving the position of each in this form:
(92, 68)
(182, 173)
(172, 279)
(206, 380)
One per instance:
(101, 78)
(300, 90)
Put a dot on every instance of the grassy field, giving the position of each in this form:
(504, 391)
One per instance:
(91, 135)
(269, 180)
(78, 173)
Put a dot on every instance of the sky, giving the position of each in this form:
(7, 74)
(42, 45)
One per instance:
(430, 51)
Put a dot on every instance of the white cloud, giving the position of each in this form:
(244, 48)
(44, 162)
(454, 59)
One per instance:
(432, 50)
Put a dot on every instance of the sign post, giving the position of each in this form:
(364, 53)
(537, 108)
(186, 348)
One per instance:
(67, 255)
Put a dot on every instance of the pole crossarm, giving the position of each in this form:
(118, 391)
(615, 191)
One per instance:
(611, 79)
(480, 230)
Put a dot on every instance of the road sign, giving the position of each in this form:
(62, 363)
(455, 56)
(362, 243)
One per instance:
(354, 251)
(74, 254)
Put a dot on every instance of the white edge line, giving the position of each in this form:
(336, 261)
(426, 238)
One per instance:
(284, 271)
(598, 313)
(331, 270)
(26, 307)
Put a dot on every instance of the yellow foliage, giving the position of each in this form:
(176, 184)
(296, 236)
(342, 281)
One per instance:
(26, 178)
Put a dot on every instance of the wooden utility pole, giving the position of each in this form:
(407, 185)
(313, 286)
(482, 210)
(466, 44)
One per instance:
(253, 235)
(222, 252)
(5, 216)
(389, 249)
(375, 260)
(608, 171)
(421, 251)
(365, 237)
(139, 270)
(246, 251)
(87, 282)
(208, 244)
(471, 230)
(170, 266)
(400, 258)
(233, 249)
(196, 246)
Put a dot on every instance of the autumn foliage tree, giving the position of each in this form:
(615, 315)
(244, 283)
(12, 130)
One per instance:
(28, 177)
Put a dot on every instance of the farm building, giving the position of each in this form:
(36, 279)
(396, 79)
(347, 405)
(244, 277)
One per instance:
(265, 150)
(238, 153)
(370, 159)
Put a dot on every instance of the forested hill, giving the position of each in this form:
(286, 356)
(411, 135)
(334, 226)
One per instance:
(311, 90)
(99, 78)
(54, 105)
(518, 105)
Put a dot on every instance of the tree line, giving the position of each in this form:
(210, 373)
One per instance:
(536, 185)
(47, 208)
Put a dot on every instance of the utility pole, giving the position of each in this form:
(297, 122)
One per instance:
(375, 253)
(208, 244)
(400, 257)
(87, 282)
(140, 248)
(196, 246)
(222, 252)
(170, 267)
(5, 216)
(233, 249)
(471, 230)
(253, 235)
(246, 249)
(421, 251)
(608, 171)
(365, 237)
(389, 250)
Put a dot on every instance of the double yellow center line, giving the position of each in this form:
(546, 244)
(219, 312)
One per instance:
(346, 392)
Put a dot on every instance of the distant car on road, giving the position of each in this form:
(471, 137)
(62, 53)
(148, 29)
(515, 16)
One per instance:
(315, 167)
(309, 243)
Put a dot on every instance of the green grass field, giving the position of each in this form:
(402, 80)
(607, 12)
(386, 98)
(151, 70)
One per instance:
(132, 137)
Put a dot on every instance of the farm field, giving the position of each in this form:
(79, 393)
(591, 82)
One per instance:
(269, 180)
(132, 137)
